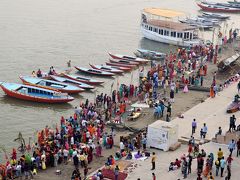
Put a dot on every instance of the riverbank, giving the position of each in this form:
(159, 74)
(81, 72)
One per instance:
(183, 102)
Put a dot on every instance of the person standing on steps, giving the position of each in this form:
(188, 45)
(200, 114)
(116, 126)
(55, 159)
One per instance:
(194, 126)
(232, 146)
(238, 147)
(238, 86)
(222, 165)
(153, 160)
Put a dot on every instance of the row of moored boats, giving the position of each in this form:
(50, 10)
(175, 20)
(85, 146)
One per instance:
(229, 7)
(55, 88)
(206, 20)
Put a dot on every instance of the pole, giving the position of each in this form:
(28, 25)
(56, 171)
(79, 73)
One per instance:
(213, 36)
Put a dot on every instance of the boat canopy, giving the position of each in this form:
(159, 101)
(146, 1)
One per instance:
(167, 13)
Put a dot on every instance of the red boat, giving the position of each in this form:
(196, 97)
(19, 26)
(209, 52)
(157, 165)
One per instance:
(217, 8)
(120, 65)
(124, 62)
(36, 94)
(128, 58)
(83, 79)
(125, 69)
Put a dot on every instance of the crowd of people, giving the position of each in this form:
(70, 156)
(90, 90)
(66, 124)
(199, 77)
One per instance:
(208, 166)
(77, 138)
(83, 135)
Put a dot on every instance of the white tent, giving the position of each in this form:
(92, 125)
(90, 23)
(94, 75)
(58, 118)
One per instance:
(162, 135)
(140, 105)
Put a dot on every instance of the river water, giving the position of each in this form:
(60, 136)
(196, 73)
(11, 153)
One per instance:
(43, 33)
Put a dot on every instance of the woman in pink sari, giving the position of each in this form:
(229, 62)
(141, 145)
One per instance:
(98, 133)
(98, 150)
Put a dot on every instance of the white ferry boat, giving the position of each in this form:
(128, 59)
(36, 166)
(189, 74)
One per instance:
(158, 25)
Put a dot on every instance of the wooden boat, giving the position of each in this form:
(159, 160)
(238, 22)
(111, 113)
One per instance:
(106, 68)
(215, 16)
(196, 23)
(94, 71)
(83, 79)
(52, 85)
(120, 65)
(129, 58)
(150, 54)
(234, 106)
(125, 69)
(217, 8)
(73, 82)
(228, 62)
(33, 93)
(121, 61)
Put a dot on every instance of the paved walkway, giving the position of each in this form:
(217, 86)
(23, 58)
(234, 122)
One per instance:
(212, 112)
(164, 158)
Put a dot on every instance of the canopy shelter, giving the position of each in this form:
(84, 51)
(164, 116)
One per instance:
(167, 13)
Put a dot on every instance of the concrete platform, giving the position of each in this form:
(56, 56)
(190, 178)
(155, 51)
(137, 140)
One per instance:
(212, 112)
(164, 158)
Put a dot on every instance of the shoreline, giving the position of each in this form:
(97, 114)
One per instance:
(190, 99)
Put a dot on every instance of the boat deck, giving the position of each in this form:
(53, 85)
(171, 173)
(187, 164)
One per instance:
(170, 25)
(44, 95)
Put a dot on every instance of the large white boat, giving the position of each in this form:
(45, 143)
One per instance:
(159, 25)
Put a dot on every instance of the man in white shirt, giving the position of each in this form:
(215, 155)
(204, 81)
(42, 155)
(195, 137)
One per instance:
(65, 155)
(122, 147)
(204, 130)
(84, 123)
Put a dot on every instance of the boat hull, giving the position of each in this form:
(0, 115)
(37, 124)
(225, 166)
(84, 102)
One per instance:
(212, 9)
(95, 73)
(233, 107)
(26, 97)
(71, 82)
(159, 38)
(125, 69)
(120, 65)
(123, 61)
(83, 80)
(128, 58)
(117, 71)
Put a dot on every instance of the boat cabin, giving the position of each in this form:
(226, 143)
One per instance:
(32, 91)
(159, 25)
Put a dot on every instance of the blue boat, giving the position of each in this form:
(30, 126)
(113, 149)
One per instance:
(49, 84)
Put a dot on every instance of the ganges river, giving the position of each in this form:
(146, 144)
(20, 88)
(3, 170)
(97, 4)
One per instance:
(43, 33)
